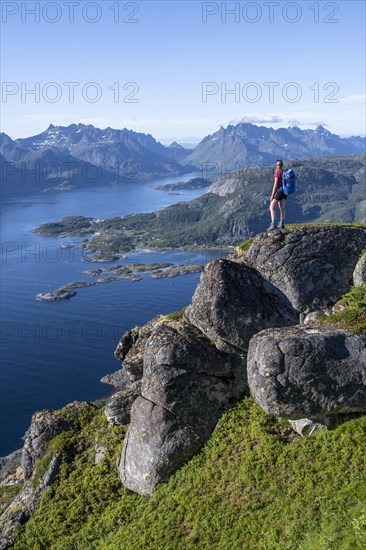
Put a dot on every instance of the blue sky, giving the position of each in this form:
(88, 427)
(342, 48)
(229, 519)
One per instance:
(175, 65)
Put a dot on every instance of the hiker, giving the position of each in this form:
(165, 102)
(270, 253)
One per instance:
(278, 197)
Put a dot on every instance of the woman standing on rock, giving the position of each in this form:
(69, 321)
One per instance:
(277, 197)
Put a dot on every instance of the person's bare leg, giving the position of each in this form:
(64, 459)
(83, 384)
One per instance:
(272, 207)
(282, 207)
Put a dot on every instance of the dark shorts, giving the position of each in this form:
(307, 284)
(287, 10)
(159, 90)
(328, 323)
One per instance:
(280, 195)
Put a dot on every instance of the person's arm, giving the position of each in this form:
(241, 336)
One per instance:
(274, 188)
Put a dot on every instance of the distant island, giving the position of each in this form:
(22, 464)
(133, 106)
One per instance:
(124, 272)
(193, 183)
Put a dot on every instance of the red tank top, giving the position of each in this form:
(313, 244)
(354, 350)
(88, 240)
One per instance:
(278, 175)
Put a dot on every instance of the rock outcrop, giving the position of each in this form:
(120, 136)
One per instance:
(46, 424)
(130, 351)
(312, 265)
(187, 385)
(25, 503)
(308, 372)
(9, 465)
(193, 369)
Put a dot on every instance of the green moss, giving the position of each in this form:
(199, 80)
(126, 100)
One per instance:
(176, 315)
(353, 318)
(356, 297)
(79, 416)
(246, 244)
(247, 488)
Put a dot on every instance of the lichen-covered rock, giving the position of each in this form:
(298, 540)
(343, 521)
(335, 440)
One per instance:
(308, 372)
(157, 443)
(117, 410)
(187, 385)
(233, 302)
(45, 425)
(359, 274)
(130, 350)
(312, 265)
(187, 375)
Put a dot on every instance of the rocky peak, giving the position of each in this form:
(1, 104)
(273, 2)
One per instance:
(175, 145)
(311, 265)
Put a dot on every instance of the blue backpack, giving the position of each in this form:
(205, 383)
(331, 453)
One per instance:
(288, 181)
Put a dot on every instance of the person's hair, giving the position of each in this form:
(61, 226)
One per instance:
(280, 162)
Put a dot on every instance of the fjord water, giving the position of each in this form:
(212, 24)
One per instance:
(55, 352)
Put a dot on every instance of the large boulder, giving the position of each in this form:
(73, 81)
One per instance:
(187, 385)
(157, 443)
(187, 375)
(193, 369)
(308, 371)
(312, 265)
(232, 302)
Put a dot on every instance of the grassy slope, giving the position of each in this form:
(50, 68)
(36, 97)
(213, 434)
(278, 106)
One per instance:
(246, 489)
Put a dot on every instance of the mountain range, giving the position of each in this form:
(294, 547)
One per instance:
(245, 145)
(64, 157)
(28, 172)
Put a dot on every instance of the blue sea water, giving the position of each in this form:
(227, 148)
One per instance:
(55, 352)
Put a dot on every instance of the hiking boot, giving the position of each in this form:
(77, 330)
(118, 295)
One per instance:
(281, 225)
(272, 226)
